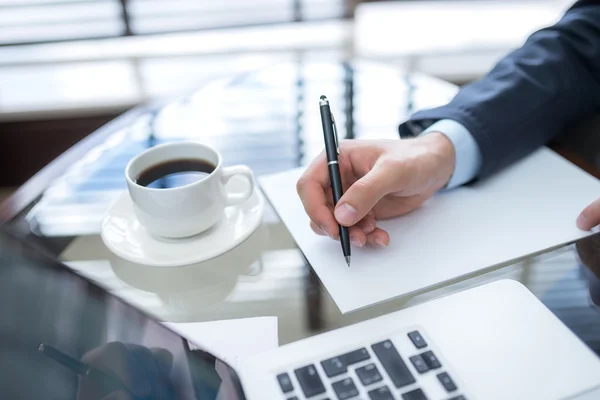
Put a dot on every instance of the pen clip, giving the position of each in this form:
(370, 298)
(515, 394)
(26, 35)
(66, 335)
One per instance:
(335, 135)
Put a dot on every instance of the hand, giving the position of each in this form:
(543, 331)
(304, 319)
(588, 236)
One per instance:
(143, 371)
(588, 248)
(381, 179)
(590, 216)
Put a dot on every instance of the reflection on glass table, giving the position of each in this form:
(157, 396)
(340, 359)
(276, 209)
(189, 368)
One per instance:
(269, 120)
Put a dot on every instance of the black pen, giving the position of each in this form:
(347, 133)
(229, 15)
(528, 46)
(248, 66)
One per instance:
(332, 149)
(108, 382)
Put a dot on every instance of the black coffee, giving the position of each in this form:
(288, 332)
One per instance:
(175, 173)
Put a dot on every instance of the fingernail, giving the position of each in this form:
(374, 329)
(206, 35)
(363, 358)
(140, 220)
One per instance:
(355, 241)
(379, 243)
(345, 214)
(582, 221)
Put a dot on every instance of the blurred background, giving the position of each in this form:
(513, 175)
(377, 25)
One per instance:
(68, 67)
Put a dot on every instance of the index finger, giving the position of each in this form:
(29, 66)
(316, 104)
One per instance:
(312, 189)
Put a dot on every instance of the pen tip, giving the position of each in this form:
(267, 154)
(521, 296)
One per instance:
(348, 260)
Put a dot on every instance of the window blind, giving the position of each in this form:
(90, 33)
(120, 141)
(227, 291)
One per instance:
(36, 21)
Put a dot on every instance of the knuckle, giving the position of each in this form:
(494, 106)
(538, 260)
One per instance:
(300, 184)
(387, 164)
(362, 187)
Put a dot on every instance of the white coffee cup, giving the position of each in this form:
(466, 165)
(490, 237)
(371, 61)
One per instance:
(189, 209)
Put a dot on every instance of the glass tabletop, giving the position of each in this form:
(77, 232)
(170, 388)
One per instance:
(269, 120)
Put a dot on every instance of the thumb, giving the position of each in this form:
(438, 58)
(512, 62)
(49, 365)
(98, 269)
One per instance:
(590, 216)
(363, 195)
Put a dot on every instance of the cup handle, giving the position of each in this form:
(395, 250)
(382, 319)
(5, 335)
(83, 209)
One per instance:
(228, 172)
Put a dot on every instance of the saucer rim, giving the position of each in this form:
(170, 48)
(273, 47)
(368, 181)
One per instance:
(182, 263)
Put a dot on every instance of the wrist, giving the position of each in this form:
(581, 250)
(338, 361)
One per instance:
(443, 157)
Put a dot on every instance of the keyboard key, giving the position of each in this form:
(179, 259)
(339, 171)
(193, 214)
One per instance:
(431, 360)
(417, 339)
(459, 397)
(393, 363)
(338, 365)
(355, 356)
(416, 394)
(293, 398)
(285, 382)
(309, 380)
(446, 381)
(333, 367)
(368, 374)
(345, 389)
(419, 364)
(382, 393)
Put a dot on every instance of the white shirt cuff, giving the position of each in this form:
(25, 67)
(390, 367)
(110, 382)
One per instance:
(468, 156)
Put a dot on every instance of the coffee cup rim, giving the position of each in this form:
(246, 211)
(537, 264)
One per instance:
(171, 144)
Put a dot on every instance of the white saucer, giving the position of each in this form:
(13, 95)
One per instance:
(128, 239)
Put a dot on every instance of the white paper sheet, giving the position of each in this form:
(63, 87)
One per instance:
(231, 340)
(528, 208)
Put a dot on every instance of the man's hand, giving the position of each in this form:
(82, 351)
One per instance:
(381, 179)
(590, 216)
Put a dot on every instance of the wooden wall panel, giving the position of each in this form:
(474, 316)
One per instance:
(27, 146)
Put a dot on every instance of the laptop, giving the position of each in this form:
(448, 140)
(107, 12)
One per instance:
(63, 337)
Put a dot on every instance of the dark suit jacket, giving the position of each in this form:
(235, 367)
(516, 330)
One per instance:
(532, 94)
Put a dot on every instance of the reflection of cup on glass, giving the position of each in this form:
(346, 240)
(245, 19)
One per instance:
(179, 189)
(189, 288)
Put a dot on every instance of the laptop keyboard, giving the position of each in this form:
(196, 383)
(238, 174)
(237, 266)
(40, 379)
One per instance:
(376, 372)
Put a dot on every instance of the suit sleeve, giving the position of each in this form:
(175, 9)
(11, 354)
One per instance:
(529, 97)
